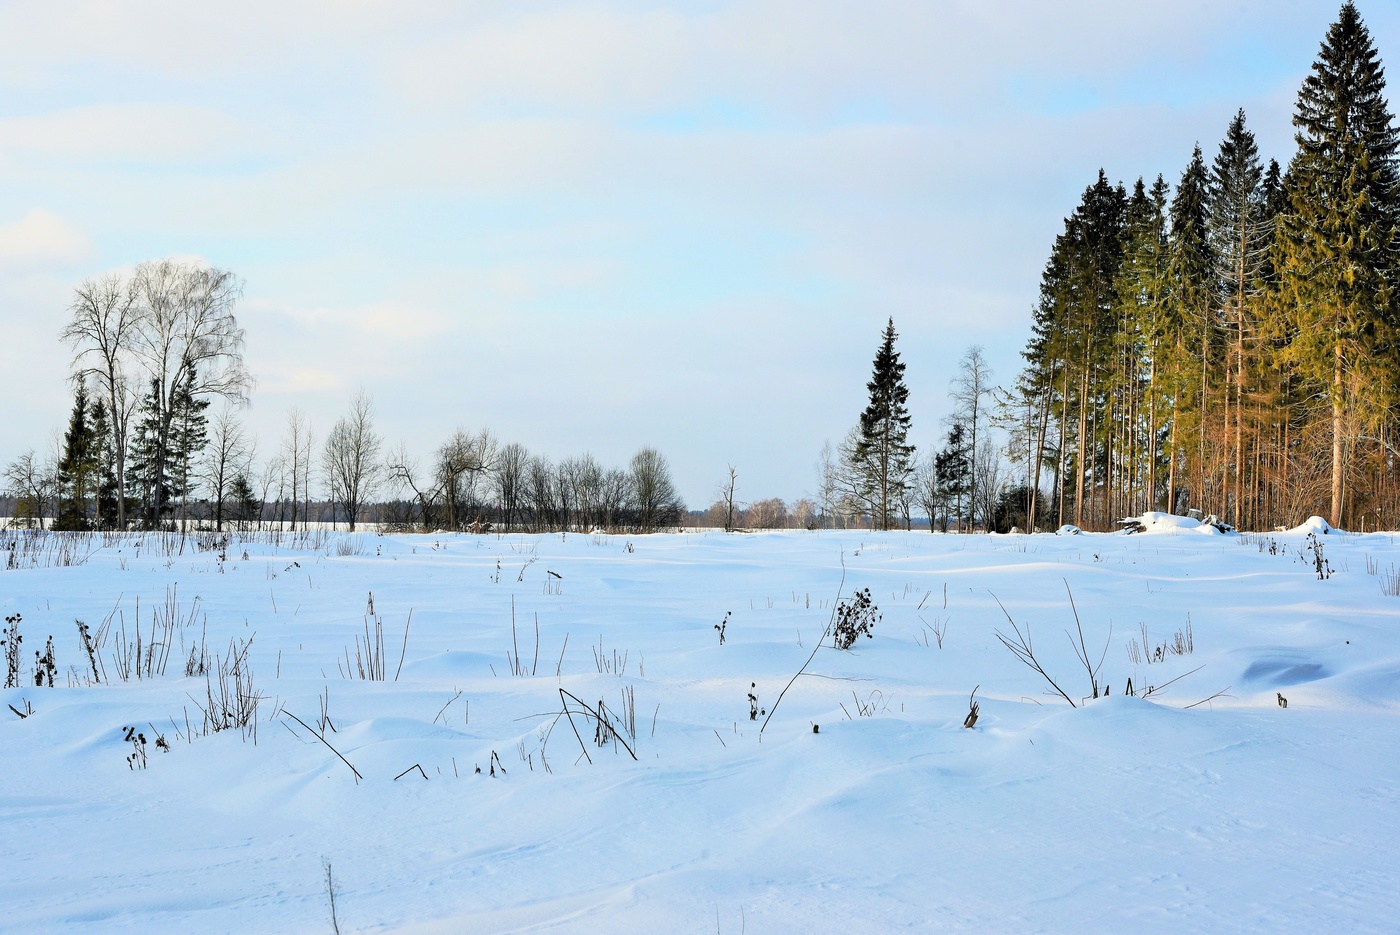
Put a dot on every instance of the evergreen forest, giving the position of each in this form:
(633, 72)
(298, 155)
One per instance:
(1229, 343)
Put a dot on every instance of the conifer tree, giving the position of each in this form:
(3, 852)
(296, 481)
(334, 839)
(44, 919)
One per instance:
(1141, 290)
(1337, 247)
(108, 488)
(952, 470)
(149, 466)
(1041, 384)
(1096, 235)
(1240, 238)
(1190, 270)
(882, 458)
(77, 468)
(188, 436)
(246, 504)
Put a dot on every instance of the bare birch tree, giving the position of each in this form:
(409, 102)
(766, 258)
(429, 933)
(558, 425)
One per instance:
(229, 455)
(970, 386)
(296, 459)
(351, 458)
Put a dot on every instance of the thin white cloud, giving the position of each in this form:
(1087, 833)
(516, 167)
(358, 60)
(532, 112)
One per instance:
(42, 237)
(155, 135)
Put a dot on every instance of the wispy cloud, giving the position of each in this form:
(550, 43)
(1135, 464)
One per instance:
(42, 237)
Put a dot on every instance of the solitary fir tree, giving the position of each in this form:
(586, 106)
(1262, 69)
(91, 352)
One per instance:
(883, 458)
(1337, 248)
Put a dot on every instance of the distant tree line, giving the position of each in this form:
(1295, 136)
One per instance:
(153, 349)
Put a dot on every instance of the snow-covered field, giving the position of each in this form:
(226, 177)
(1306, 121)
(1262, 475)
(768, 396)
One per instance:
(1122, 814)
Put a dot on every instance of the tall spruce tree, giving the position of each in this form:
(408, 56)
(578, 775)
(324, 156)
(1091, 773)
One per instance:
(952, 472)
(149, 460)
(1096, 238)
(1240, 238)
(883, 458)
(1190, 273)
(1041, 383)
(188, 437)
(1337, 247)
(108, 488)
(1141, 287)
(78, 467)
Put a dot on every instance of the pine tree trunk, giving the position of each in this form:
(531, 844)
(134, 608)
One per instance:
(1060, 477)
(1171, 464)
(1079, 449)
(1336, 518)
(1039, 459)
(1152, 431)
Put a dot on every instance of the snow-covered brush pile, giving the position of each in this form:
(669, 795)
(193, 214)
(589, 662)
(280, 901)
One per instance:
(1096, 732)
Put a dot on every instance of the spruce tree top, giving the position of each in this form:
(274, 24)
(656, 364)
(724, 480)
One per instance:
(1343, 101)
(888, 394)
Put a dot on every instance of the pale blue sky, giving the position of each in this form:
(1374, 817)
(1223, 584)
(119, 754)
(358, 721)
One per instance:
(602, 225)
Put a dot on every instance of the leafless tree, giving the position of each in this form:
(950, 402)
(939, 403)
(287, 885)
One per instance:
(905, 498)
(539, 487)
(104, 318)
(272, 473)
(571, 477)
(509, 477)
(855, 497)
(463, 463)
(927, 494)
(726, 497)
(657, 503)
(296, 458)
(588, 491)
(34, 485)
(403, 471)
(804, 513)
(351, 458)
(828, 488)
(229, 454)
(969, 387)
(766, 514)
(615, 496)
(988, 479)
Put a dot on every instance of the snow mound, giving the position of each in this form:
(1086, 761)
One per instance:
(1068, 529)
(1313, 524)
(1153, 521)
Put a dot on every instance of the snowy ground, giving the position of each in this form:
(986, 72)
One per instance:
(1120, 815)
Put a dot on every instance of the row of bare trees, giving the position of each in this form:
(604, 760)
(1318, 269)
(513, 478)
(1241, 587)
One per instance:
(476, 482)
